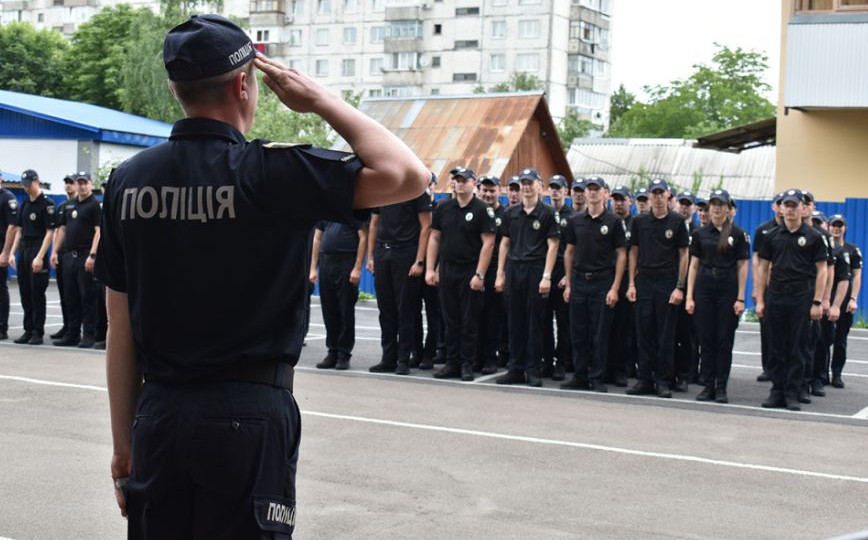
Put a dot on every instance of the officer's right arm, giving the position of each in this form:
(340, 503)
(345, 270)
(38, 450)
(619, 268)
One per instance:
(500, 280)
(760, 281)
(631, 272)
(14, 248)
(431, 257)
(57, 245)
(372, 241)
(8, 252)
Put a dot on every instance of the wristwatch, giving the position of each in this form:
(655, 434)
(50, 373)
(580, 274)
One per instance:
(547, 276)
(92, 256)
(816, 303)
(420, 263)
(480, 276)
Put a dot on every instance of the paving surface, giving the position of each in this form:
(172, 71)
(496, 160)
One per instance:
(390, 457)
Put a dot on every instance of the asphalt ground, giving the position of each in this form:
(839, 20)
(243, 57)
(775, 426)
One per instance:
(391, 457)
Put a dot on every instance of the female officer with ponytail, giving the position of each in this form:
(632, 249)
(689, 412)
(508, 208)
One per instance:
(719, 254)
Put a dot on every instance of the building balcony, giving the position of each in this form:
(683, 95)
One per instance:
(393, 77)
(397, 45)
(412, 11)
(16, 6)
(80, 3)
(578, 46)
(580, 80)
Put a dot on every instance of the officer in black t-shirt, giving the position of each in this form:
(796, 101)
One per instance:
(429, 345)
(577, 190)
(622, 338)
(76, 241)
(493, 329)
(642, 203)
(397, 242)
(71, 188)
(8, 228)
(459, 254)
(557, 359)
(216, 427)
(658, 266)
(513, 191)
(37, 219)
(852, 255)
(686, 342)
(758, 239)
(528, 251)
(819, 333)
(595, 259)
(793, 263)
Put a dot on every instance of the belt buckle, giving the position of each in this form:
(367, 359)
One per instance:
(387, 245)
(74, 254)
(589, 276)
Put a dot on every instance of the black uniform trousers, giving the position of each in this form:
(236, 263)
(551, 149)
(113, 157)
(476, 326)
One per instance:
(622, 337)
(788, 321)
(591, 322)
(213, 460)
(557, 310)
(397, 300)
(434, 339)
(4, 299)
(715, 296)
(81, 294)
(526, 308)
(839, 349)
(824, 338)
(655, 326)
(461, 307)
(686, 346)
(490, 322)
(61, 289)
(338, 299)
(32, 287)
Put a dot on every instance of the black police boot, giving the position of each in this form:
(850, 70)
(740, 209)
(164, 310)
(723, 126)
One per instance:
(427, 362)
(511, 377)
(547, 368)
(466, 372)
(343, 361)
(329, 362)
(402, 369)
(449, 371)
(598, 386)
(69, 340)
(620, 380)
(440, 357)
(804, 395)
(721, 396)
(792, 403)
(817, 389)
(489, 367)
(641, 388)
(99, 345)
(382, 367)
(4, 335)
(679, 386)
(774, 401)
(86, 342)
(23, 339)
(663, 391)
(837, 381)
(575, 383)
(707, 394)
(534, 380)
(763, 377)
(59, 334)
(558, 373)
(35, 339)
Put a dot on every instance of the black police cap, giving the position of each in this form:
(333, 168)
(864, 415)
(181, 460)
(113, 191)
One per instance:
(622, 191)
(792, 195)
(463, 172)
(838, 218)
(529, 174)
(642, 194)
(29, 176)
(83, 177)
(69, 178)
(558, 181)
(721, 195)
(205, 46)
(488, 179)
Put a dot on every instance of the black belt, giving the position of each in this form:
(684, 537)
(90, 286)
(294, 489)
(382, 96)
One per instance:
(791, 287)
(393, 245)
(590, 276)
(712, 271)
(77, 252)
(273, 372)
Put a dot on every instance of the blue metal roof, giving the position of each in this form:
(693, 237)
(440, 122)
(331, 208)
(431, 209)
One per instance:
(26, 115)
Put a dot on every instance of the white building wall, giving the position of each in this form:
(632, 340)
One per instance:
(51, 159)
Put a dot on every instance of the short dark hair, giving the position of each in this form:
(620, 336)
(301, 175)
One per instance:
(210, 91)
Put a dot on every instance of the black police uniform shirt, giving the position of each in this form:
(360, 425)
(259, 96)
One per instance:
(704, 246)
(81, 219)
(827, 241)
(529, 233)
(562, 216)
(852, 255)
(499, 212)
(793, 254)
(762, 230)
(399, 222)
(462, 228)
(207, 234)
(628, 228)
(8, 210)
(36, 217)
(338, 238)
(596, 239)
(659, 240)
(841, 270)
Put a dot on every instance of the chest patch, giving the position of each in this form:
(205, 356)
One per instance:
(604, 230)
(801, 241)
(468, 216)
(33, 216)
(668, 234)
(847, 257)
(50, 210)
(536, 225)
(497, 221)
(74, 214)
(490, 211)
(13, 204)
(730, 241)
(563, 223)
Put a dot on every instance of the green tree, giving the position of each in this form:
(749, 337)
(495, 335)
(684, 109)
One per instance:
(620, 102)
(31, 60)
(276, 122)
(520, 81)
(725, 94)
(572, 127)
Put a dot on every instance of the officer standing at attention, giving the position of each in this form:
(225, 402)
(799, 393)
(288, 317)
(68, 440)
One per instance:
(37, 218)
(397, 240)
(216, 426)
(758, 239)
(557, 359)
(71, 188)
(642, 204)
(686, 342)
(431, 349)
(702, 211)
(596, 268)
(792, 260)
(528, 251)
(76, 239)
(715, 292)
(814, 337)
(341, 254)
(577, 190)
(852, 255)
(493, 328)
(459, 254)
(513, 193)
(8, 228)
(622, 338)
(658, 267)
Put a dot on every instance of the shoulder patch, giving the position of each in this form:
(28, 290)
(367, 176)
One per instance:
(276, 145)
(50, 209)
(13, 204)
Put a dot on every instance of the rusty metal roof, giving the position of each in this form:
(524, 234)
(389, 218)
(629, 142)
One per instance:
(481, 131)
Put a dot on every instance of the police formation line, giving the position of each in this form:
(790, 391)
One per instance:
(591, 289)
(40, 235)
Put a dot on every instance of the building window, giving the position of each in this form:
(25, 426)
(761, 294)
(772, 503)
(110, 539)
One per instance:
(466, 11)
(803, 6)
(351, 6)
(350, 35)
(529, 28)
(438, 29)
(376, 66)
(297, 64)
(498, 3)
(323, 7)
(322, 68)
(498, 29)
(295, 38)
(400, 91)
(497, 62)
(40, 17)
(377, 34)
(528, 2)
(297, 7)
(463, 77)
(262, 36)
(467, 44)
(405, 29)
(404, 61)
(375, 93)
(57, 3)
(322, 37)
(527, 62)
(435, 61)
(435, 91)
(574, 30)
(585, 99)
(378, 5)
(348, 67)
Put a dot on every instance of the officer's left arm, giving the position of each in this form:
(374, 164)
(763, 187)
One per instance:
(484, 261)
(8, 253)
(421, 250)
(819, 285)
(431, 257)
(742, 286)
(356, 273)
(853, 304)
(43, 249)
(677, 295)
(620, 265)
(91, 257)
(314, 256)
(551, 258)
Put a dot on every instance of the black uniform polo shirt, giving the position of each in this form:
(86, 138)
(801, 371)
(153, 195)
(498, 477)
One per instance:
(461, 229)
(529, 233)
(81, 219)
(659, 240)
(36, 217)
(628, 230)
(852, 255)
(8, 210)
(759, 235)
(563, 216)
(338, 238)
(596, 240)
(499, 212)
(827, 241)
(176, 215)
(794, 255)
(399, 222)
(842, 270)
(704, 242)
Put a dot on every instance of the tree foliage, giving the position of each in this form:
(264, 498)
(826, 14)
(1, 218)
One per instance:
(276, 122)
(31, 61)
(620, 103)
(572, 127)
(518, 82)
(727, 93)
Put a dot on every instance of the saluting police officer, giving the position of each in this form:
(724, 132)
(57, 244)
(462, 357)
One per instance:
(557, 357)
(622, 338)
(595, 258)
(792, 260)
(76, 241)
(8, 228)
(528, 251)
(719, 254)
(658, 267)
(853, 256)
(492, 328)
(217, 430)
(37, 219)
(70, 186)
(758, 240)
(459, 254)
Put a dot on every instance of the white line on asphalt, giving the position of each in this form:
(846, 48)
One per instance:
(757, 332)
(53, 383)
(587, 446)
(862, 414)
(848, 374)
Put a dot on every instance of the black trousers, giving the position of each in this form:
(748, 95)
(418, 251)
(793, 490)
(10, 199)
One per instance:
(788, 321)
(526, 309)
(655, 326)
(338, 299)
(461, 307)
(213, 460)
(591, 322)
(715, 296)
(839, 349)
(4, 299)
(764, 343)
(490, 322)
(622, 336)
(32, 287)
(58, 271)
(686, 345)
(397, 300)
(81, 293)
(824, 332)
(435, 337)
(557, 310)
